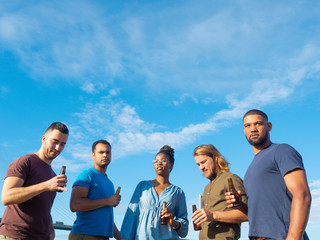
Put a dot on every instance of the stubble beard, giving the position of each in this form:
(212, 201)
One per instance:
(260, 141)
(212, 175)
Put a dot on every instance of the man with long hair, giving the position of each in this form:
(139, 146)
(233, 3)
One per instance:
(216, 219)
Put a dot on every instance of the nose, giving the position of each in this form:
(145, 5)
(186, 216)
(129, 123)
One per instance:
(253, 128)
(201, 167)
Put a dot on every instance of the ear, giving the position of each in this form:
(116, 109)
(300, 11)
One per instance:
(269, 126)
(43, 138)
(171, 166)
(92, 154)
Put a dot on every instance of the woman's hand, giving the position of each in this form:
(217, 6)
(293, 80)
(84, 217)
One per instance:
(166, 213)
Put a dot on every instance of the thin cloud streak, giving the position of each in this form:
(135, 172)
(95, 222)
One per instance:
(79, 43)
(130, 134)
(315, 205)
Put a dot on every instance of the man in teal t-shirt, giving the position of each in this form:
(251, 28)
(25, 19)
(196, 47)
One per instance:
(93, 198)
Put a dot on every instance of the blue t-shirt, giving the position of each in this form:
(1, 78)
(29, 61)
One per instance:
(97, 222)
(269, 200)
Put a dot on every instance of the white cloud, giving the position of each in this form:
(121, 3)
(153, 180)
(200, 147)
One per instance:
(53, 40)
(200, 55)
(130, 134)
(163, 47)
(315, 205)
(183, 98)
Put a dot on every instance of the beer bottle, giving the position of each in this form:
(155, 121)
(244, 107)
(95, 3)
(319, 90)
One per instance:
(164, 221)
(118, 191)
(196, 227)
(62, 172)
(235, 193)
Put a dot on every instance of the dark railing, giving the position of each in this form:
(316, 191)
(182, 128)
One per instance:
(60, 226)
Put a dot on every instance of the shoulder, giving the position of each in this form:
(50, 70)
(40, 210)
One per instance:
(177, 189)
(23, 160)
(144, 184)
(86, 174)
(20, 167)
(234, 176)
(286, 151)
(283, 148)
(237, 181)
(225, 175)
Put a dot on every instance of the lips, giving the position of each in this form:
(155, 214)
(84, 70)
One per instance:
(55, 153)
(254, 135)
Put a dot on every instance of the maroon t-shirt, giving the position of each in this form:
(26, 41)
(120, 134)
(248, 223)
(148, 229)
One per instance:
(30, 220)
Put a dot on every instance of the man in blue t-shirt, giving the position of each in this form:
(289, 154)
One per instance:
(278, 194)
(93, 198)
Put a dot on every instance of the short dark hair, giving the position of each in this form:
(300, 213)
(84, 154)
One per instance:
(256, 112)
(105, 142)
(58, 126)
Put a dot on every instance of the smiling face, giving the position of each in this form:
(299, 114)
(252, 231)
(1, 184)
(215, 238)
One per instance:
(101, 156)
(53, 143)
(207, 165)
(162, 168)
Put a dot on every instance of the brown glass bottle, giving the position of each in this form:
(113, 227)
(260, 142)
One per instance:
(235, 193)
(164, 221)
(62, 172)
(196, 227)
(118, 191)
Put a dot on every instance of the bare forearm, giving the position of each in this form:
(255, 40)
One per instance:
(116, 232)
(86, 204)
(233, 216)
(22, 194)
(299, 214)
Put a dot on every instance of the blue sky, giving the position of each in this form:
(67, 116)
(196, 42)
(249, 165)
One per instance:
(142, 74)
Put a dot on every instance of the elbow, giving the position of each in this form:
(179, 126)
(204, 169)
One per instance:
(244, 219)
(5, 200)
(183, 230)
(73, 207)
(5, 203)
(308, 198)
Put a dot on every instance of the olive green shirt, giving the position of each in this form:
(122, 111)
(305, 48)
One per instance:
(214, 200)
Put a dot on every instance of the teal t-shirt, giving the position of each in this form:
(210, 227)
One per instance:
(97, 222)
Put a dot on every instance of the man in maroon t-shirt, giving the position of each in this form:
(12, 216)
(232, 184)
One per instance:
(30, 187)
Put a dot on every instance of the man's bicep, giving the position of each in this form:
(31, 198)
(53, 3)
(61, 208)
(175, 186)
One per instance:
(79, 192)
(12, 182)
(296, 181)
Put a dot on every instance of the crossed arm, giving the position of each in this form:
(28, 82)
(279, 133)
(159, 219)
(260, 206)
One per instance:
(80, 202)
